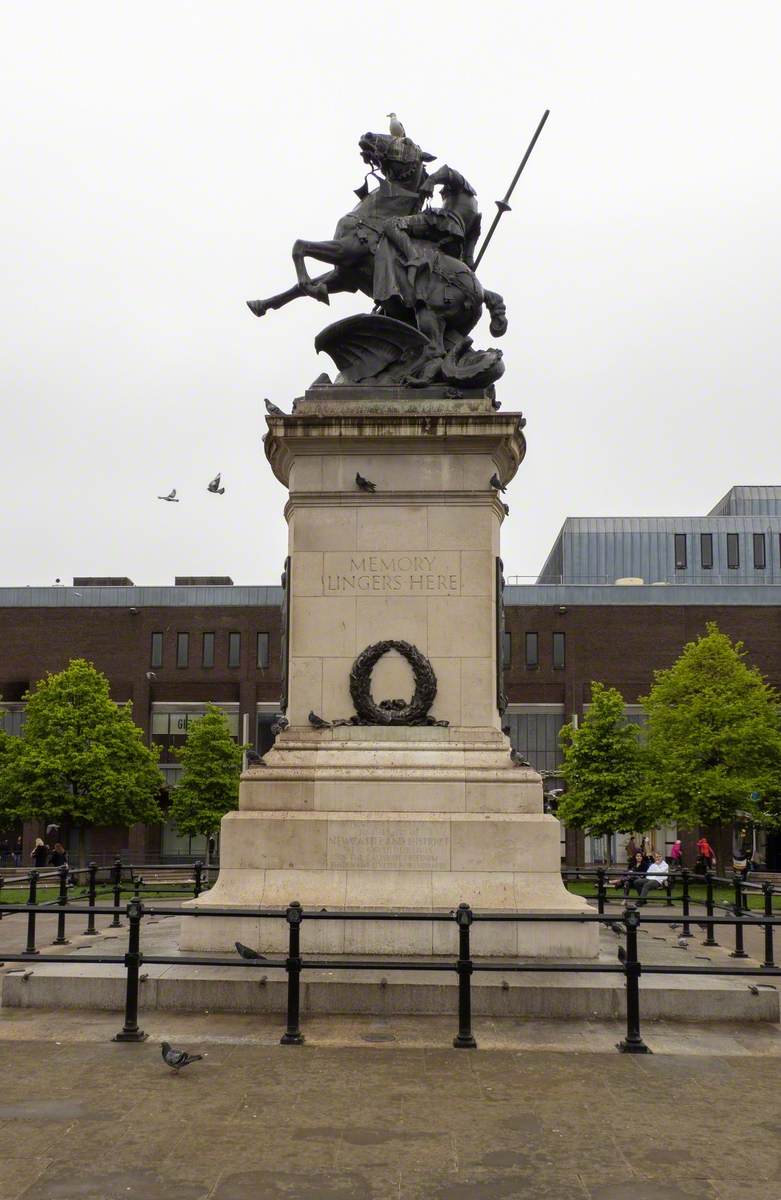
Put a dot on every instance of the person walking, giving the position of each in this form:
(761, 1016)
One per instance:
(655, 877)
(631, 849)
(707, 856)
(18, 852)
(39, 854)
(676, 854)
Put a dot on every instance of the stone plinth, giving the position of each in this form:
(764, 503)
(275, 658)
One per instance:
(381, 816)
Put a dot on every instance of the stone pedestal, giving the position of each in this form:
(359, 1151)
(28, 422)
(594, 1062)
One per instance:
(387, 815)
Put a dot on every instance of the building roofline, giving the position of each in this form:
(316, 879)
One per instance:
(206, 596)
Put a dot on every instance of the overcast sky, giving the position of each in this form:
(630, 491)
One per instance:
(159, 159)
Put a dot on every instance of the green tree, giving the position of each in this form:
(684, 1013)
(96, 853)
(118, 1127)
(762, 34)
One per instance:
(81, 758)
(714, 736)
(603, 769)
(209, 787)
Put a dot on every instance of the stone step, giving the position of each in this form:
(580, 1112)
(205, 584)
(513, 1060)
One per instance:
(563, 996)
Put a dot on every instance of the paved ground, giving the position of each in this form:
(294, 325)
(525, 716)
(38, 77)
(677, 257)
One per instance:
(371, 1109)
(374, 1110)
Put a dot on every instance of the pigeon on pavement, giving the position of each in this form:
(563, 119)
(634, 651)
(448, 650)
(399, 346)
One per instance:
(214, 486)
(176, 1059)
(171, 497)
(272, 409)
(365, 485)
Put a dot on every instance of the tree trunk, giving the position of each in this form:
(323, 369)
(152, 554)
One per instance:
(81, 852)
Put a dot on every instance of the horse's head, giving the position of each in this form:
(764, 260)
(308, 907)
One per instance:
(397, 158)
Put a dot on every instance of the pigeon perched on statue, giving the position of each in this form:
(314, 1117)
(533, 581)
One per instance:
(318, 722)
(496, 482)
(279, 723)
(518, 759)
(365, 485)
(176, 1059)
(272, 409)
(214, 486)
(248, 952)
(254, 759)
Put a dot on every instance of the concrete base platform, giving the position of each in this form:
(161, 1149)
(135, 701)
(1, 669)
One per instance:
(562, 995)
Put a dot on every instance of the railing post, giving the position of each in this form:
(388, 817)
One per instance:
(767, 889)
(668, 887)
(293, 1035)
(738, 952)
(197, 885)
(130, 1031)
(32, 898)
(138, 883)
(62, 900)
(601, 890)
(2, 882)
(633, 1042)
(92, 889)
(464, 1039)
(709, 939)
(117, 872)
(686, 931)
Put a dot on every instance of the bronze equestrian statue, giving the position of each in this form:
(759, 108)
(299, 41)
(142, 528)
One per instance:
(416, 262)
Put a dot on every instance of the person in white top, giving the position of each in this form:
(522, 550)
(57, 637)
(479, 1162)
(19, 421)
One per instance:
(655, 877)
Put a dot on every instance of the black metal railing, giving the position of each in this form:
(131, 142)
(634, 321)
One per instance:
(294, 963)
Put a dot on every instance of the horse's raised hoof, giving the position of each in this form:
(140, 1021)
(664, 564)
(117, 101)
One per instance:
(258, 307)
(319, 291)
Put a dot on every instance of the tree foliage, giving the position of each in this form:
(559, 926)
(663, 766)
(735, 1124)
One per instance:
(603, 769)
(209, 787)
(713, 736)
(81, 757)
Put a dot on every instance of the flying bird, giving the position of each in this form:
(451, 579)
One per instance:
(176, 1059)
(365, 485)
(272, 409)
(496, 482)
(318, 722)
(214, 486)
(248, 952)
(396, 127)
(171, 497)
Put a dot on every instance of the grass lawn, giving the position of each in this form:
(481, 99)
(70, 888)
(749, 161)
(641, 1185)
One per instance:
(10, 895)
(721, 894)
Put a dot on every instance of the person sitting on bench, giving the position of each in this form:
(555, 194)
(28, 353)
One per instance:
(655, 877)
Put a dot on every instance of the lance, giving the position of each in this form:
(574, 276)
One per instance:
(503, 205)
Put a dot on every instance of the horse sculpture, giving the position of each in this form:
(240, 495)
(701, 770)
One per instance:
(416, 265)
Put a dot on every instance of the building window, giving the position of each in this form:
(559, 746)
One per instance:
(234, 649)
(207, 655)
(733, 552)
(263, 651)
(156, 656)
(759, 551)
(706, 551)
(182, 649)
(559, 651)
(532, 651)
(507, 650)
(680, 551)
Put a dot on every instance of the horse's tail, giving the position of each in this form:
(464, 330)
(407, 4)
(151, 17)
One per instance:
(495, 305)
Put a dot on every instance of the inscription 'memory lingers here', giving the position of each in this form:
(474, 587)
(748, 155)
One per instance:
(403, 574)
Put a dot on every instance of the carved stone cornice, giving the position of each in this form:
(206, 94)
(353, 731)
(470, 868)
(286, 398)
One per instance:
(497, 434)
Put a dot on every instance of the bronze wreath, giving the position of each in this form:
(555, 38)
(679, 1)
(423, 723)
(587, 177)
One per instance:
(393, 712)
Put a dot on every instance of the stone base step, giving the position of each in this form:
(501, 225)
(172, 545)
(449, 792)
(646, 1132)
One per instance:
(565, 995)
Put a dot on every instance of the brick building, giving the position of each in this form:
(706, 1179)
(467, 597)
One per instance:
(172, 650)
